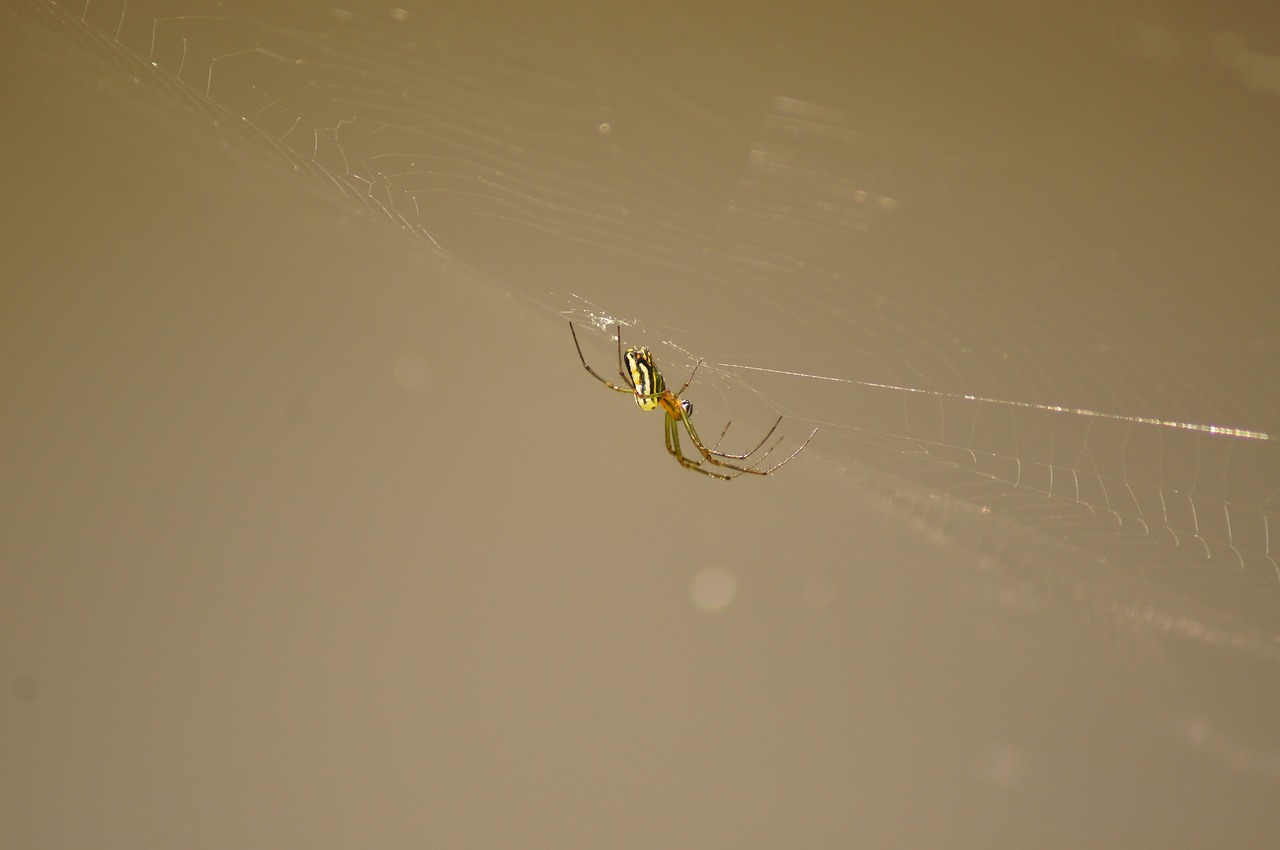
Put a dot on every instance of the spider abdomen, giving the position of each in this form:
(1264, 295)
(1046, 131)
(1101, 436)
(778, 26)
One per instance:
(648, 381)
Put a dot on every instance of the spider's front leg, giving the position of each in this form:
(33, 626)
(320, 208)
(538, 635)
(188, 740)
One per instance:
(591, 371)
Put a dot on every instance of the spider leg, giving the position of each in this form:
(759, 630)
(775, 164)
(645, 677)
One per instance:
(593, 372)
(680, 391)
(622, 372)
(791, 456)
(720, 439)
(715, 459)
(715, 449)
(707, 456)
(673, 447)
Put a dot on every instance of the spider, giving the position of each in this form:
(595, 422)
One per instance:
(643, 380)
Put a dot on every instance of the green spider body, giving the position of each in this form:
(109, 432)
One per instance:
(650, 386)
(645, 377)
(644, 381)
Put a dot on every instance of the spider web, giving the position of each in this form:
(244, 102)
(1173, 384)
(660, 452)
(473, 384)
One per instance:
(882, 276)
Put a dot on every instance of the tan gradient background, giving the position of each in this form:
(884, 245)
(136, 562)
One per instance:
(313, 535)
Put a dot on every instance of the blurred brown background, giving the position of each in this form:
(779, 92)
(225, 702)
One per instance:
(314, 533)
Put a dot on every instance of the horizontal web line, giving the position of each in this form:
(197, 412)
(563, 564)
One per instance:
(1218, 430)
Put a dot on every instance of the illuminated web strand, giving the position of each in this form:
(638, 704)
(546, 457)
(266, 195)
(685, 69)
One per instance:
(1218, 430)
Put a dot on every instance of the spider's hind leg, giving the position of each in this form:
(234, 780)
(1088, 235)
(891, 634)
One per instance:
(715, 449)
